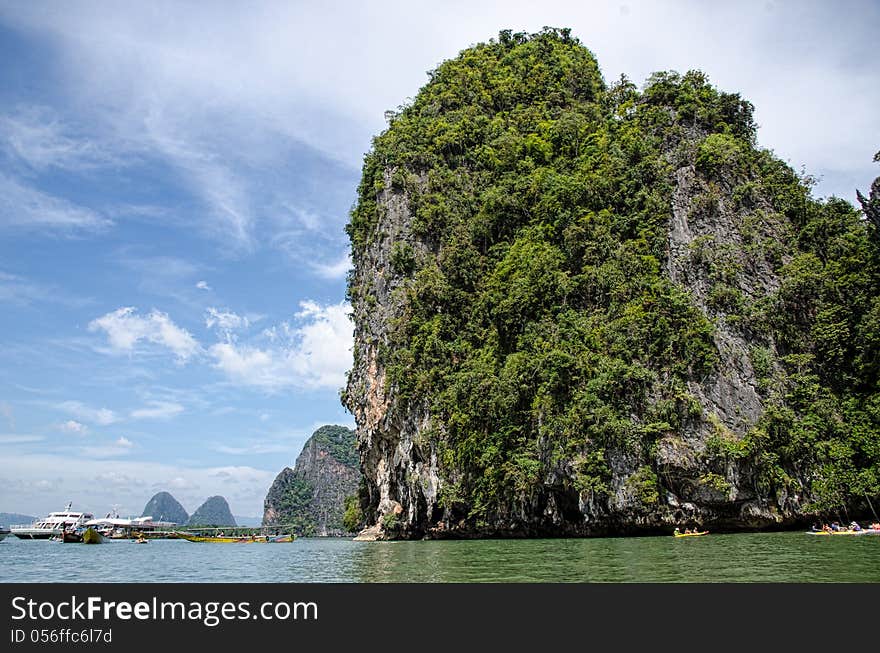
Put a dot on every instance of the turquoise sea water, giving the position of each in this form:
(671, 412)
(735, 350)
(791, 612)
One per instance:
(743, 557)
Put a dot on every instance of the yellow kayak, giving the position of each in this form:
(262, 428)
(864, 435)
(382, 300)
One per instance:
(841, 532)
(690, 534)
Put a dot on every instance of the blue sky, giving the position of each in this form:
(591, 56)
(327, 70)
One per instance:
(175, 179)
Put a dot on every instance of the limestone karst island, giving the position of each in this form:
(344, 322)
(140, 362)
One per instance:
(587, 309)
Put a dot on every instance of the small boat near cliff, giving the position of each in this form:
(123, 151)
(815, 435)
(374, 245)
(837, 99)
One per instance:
(864, 531)
(696, 534)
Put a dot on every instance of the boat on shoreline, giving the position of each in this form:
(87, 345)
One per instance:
(54, 525)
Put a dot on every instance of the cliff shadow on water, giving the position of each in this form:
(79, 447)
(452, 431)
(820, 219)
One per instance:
(585, 308)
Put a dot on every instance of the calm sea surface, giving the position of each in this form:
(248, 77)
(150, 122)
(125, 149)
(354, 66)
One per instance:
(744, 557)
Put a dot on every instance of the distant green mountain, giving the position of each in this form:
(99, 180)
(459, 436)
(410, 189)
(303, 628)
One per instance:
(214, 512)
(164, 507)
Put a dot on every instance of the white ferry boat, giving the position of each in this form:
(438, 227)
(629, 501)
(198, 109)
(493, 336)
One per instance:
(53, 525)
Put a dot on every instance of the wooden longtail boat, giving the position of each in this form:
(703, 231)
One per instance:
(235, 539)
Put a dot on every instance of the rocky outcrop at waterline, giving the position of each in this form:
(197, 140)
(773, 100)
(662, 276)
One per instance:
(164, 507)
(213, 512)
(310, 498)
(586, 309)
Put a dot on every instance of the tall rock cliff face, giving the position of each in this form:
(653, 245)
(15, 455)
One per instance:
(310, 499)
(583, 309)
(214, 512)
(164, 507)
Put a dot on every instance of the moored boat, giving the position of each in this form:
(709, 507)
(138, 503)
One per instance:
(71, 537)
(280, 538)
(216, 539)
(54, 525)
(91, 536)
(236, 539)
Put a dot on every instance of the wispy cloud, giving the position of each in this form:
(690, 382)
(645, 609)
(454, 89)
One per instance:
(16, 438)
(125, 328)
(158, 410)
(313, 352)
(24, 207)
(16, 289)
(100, 416)
(253, 448)
(7, 412)
(203, 285)
(37, 136)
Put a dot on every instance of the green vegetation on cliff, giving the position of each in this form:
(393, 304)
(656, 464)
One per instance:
(540, 322)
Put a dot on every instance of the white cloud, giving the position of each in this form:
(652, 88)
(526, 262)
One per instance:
(23, 207)
(124, 329)
(314, 352)
(122, 446)
(158, 410)
(179, 483)
(72, 426)
(101, 416)
(203, 285)
(180, 79)
(226, 322)
(336, 270)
